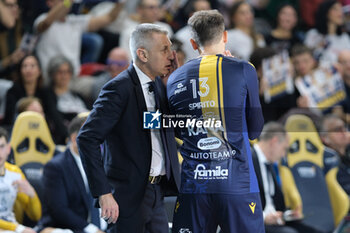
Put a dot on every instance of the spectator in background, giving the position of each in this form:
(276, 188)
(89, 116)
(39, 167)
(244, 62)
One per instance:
(277, 107)
(184, 34)
(178, 47)
(10, 51)
(69, 104)
(304, 64)
(335, 135)
(30, 104)
(303, 60)
(344, 62)
(30, 83)
(61, 33)
(328, 38)
(148, 11)
(15, 191)
(242, 38)
(271, 148)
(68, 201)
(7, 19)
(283, 36)
(117, 61)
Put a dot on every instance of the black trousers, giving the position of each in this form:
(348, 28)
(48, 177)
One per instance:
(151, 217)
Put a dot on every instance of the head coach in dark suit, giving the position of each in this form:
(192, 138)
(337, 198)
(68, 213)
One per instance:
(138, 166)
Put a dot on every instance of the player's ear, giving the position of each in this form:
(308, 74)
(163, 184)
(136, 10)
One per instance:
(224, 36)
(194, 44)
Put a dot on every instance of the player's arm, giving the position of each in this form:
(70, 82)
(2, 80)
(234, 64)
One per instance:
(57, 12)
(254, 116)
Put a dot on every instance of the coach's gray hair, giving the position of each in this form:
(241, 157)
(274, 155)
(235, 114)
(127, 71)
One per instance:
(142, 36)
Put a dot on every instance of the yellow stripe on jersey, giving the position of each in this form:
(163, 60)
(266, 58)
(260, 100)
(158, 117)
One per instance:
(208, 88)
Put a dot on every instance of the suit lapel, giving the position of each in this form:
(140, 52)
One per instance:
(76, 176)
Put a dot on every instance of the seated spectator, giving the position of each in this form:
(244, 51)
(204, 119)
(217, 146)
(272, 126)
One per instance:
(283, 36)
(61, 33)
(277, 107)
(30, 83)
(30, 104)
(15, 192)
(148, 11)
(304, 63)
(68, 201)
(117, 61)
(328, 37)
(184, 34)
(242, 38)
(272, 146)
(7, 19)
(68, 103)
(10, 51)
(344, 62)
(180, 53)
(335, 135)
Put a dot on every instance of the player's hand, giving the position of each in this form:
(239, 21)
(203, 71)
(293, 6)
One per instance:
(24, 187)
(28, 230)
(274, 218)
(302, 102)
(228, 53)
(109, 208)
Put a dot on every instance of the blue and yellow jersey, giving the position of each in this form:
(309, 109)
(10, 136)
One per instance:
(218, 99)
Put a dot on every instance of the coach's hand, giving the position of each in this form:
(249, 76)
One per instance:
(109, 208)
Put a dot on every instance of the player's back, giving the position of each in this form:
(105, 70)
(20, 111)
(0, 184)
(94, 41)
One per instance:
(222, 93)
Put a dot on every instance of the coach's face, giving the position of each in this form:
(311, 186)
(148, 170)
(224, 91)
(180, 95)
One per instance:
(159, 55)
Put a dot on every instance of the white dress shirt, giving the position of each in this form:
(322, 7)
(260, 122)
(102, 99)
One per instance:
(269, 188)
(157, 163)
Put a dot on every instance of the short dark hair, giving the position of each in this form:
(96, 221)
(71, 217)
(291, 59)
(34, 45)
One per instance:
(75, 125)
(272, 129)
(299, 49)
(3, 133)
(207, 26)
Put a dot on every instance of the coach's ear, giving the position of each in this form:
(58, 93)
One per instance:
(142, 54)
(194, 44)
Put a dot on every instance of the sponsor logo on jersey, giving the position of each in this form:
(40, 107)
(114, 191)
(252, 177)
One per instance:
(213, 155)
(209, 143)
(252, 206)
(200, 105)
(180, 88)
(201, 173)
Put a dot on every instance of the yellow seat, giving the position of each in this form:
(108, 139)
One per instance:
(31, 139)
(308, 175)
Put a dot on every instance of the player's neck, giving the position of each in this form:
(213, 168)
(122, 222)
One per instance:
(212, 50)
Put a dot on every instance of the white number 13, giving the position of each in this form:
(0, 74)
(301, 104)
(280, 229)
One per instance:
(203, 84)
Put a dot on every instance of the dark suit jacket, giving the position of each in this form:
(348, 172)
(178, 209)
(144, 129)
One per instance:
(66, 202)
(117, 121)
(278, 198)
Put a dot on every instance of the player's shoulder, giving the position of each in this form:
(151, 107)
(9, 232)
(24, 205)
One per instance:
(12, 168)
(237, 61)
